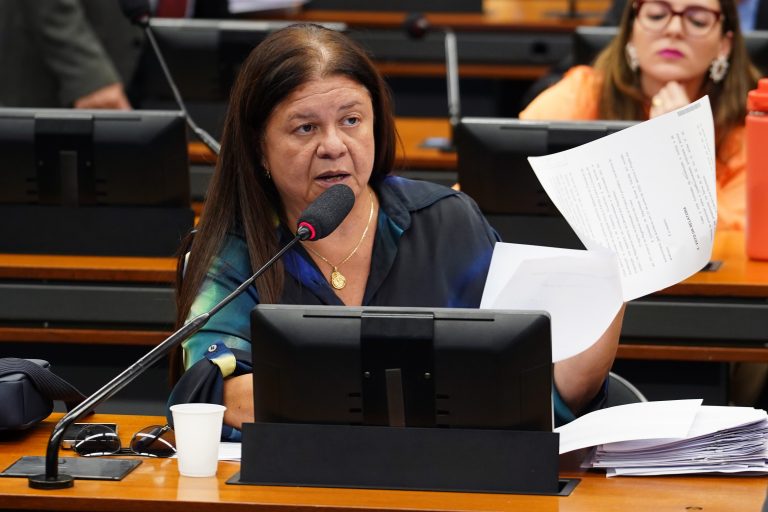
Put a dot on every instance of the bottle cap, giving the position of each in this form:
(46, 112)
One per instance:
(757, 100)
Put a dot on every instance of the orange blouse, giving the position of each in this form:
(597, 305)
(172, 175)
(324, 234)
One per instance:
(575, 97)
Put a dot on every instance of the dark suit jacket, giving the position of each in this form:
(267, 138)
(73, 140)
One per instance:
(55, 51)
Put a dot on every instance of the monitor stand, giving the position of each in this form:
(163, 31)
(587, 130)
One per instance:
(434, 459)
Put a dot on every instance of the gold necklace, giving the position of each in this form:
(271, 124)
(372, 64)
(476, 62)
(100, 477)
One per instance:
(338, 281)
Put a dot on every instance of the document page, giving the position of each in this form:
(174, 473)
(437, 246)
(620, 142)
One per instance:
(643, 203)
(581, 290)
(643, 420)
(647, 193)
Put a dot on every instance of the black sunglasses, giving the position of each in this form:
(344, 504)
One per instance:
(152, 441)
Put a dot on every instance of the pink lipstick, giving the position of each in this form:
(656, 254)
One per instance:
(671, 53)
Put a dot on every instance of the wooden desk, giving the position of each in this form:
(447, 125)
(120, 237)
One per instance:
(510, 15)
(533, 35)
(717, 316)
(712, 316)
(156, 486)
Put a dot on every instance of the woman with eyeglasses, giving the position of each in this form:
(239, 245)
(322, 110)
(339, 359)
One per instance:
(667, 54)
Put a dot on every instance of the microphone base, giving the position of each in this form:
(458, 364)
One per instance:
(48, 483)
(69, 469)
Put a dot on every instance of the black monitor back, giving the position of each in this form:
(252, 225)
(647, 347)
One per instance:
(204, 57)
(69, 157)
(93, 182)
(588, 42)
(446, 367)
(493, 169)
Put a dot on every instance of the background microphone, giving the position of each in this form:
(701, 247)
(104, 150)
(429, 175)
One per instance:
(137, 11)
(320, 218)
(416, 25)
(325, 213)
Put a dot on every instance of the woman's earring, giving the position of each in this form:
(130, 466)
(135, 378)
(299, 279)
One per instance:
(267, 174)
(631, 53)
(719, 68)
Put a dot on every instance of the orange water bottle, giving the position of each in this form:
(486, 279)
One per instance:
(757, 171)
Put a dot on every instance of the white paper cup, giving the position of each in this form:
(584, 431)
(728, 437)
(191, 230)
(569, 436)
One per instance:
(198, 431)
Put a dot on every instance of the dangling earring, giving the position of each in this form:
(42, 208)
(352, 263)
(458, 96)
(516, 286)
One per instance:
(267, 174)
(719, 68)
(631, 53)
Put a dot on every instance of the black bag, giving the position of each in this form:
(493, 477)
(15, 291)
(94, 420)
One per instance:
(27, 391)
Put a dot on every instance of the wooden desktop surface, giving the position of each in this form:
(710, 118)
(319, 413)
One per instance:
(155, 485)
(513, 15)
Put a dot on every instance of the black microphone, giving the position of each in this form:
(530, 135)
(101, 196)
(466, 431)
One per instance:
(319, 220)
(417, 26)
(137, 11)
(325, 213)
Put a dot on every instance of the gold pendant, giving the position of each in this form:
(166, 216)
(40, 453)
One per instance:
(338, 281)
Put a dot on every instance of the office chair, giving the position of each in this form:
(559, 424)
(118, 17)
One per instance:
(620, 391)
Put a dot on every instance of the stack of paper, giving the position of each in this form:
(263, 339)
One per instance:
(671, 437)
(721, 440)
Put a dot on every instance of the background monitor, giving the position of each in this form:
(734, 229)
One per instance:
(93, 182)
(203, 57)
(493, 169)
(402, 366)
(588, 42)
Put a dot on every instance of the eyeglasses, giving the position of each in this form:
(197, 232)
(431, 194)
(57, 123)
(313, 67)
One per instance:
(153, 441)
(697, 21)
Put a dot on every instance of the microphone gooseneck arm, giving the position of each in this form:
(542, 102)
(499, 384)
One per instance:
(416, 25)
(51, 479)
(201, 134)
(452, 77)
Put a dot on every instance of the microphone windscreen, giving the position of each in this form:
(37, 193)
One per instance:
(135, 10)
(326, 213)
(416, 25)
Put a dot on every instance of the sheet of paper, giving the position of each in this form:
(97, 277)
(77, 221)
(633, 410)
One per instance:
(742, 470)
(646, 193)
(642, 420)
(230, 451)
(580, 290)
(644, 196)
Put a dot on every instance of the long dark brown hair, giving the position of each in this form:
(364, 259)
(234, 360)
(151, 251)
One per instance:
(622, 98)
(241, 199)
